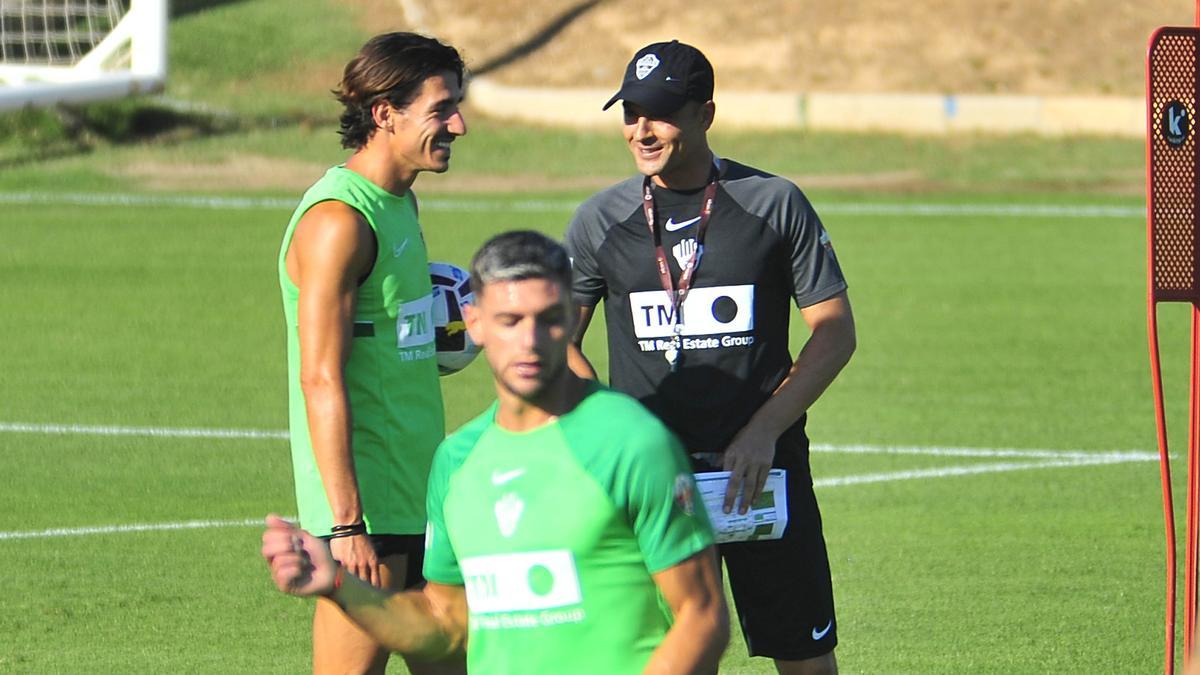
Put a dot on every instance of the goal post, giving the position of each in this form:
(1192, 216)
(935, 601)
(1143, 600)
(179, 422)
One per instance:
(80, 51)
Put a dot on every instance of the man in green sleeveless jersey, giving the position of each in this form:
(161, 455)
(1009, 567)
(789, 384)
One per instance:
(365, 405)
(564, 532)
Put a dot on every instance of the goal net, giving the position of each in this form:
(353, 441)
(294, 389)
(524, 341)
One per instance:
(79, 51)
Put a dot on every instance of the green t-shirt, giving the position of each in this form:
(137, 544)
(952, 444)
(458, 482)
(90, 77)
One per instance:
(555, 533)
(391, 376)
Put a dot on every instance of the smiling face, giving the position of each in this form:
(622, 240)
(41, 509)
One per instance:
(673, 149)
(524, 327)
(421, 132)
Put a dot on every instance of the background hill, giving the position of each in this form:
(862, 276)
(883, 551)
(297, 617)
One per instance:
(951, 46)
(248, 107)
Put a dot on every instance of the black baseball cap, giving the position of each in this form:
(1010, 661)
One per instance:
(663, 76)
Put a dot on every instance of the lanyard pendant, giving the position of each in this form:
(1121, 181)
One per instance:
(671, 353)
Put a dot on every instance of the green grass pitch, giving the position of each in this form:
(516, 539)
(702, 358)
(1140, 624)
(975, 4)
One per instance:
(976, 331)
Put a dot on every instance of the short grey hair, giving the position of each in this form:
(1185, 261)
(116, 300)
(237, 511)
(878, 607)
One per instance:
(517, 255)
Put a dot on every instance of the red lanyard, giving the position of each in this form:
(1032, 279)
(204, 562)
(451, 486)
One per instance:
(689, 268)
(677, 296)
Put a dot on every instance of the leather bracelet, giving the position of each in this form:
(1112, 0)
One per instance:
(353, 529)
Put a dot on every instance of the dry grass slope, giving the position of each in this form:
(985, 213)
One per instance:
(960, 46)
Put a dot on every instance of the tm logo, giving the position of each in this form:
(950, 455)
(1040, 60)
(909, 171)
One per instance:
(1175, 123)
(414, 323)
(708, 310)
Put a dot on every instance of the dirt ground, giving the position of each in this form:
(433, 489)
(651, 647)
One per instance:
(942, 46)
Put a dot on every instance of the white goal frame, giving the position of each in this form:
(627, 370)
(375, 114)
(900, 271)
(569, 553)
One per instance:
(131, 59)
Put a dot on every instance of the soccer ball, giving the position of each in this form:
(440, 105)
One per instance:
(451, 290)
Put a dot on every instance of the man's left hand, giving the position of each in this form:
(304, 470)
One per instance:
(748, 461)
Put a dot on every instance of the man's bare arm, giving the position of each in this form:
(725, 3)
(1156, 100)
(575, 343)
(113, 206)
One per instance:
(576, 360)
(331, 250)
(828, 349)
(430, 623)
(698, 636)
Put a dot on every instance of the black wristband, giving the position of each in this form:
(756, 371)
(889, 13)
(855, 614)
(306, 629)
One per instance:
(351, 530)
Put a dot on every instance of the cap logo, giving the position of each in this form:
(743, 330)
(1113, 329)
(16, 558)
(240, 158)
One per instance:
(646, 65)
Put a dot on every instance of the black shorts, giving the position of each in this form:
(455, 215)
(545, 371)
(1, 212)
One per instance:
(410, 545)
(782, 588)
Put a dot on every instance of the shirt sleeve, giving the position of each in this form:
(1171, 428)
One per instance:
(441, 564)
(816, 274)
(664, 506)
(582, 241)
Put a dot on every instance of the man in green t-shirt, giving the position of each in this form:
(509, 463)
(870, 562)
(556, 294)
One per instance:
(564, 535)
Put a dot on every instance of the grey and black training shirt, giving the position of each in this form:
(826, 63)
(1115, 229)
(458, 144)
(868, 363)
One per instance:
(764, 247)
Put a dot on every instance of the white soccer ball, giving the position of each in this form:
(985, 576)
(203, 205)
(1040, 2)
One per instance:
(451, 291)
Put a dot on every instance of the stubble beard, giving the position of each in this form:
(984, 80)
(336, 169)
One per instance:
(544, 390)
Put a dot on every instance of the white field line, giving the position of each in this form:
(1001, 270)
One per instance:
(862, 479)
(978, 469)
(999, 210)
(567, 206)
(162, 432)
(124, 529)
(1130, 455)
(1045, 459)
(176, 432)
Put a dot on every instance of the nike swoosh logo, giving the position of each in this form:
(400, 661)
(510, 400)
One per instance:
(398, 249)
(500, 478)
(818, 634)
(672, 225)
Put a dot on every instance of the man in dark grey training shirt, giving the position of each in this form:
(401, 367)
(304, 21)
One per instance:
(696, 260)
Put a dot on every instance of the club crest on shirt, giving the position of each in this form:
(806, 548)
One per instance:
(508, 513)
(826, 243)
(683, 252)
(685, 493)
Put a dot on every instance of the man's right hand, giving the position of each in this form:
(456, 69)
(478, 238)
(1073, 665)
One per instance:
(300, 563)
(357, 555)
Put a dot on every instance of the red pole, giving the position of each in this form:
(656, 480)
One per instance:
(1192, 535)
(1165, 474)
(1160, 418)
(1193, 496)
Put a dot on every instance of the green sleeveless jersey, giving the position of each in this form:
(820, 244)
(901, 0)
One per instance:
(555, 533)
(391, 376)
